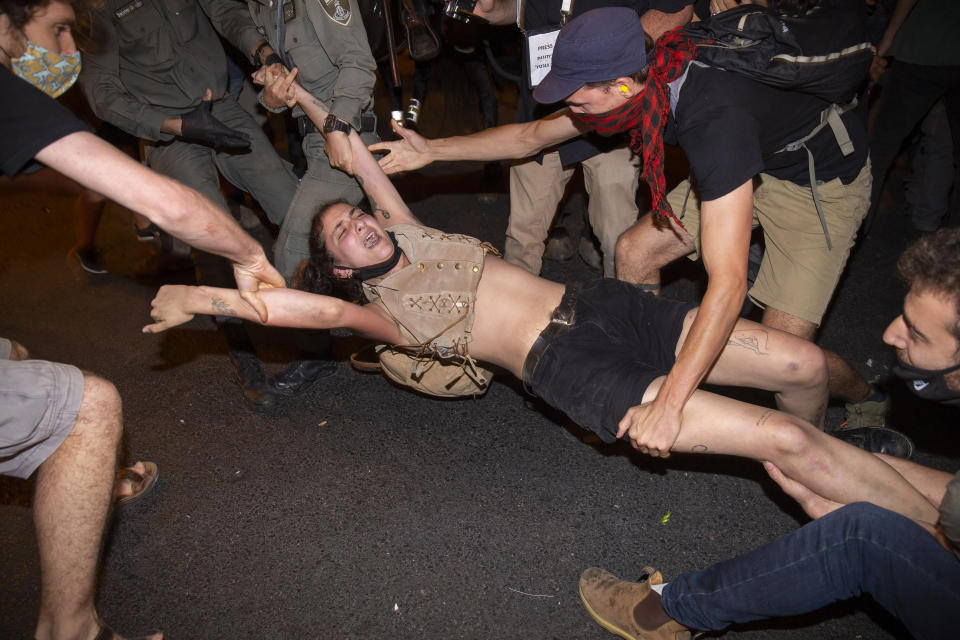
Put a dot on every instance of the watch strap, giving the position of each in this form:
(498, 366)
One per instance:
(333, 123)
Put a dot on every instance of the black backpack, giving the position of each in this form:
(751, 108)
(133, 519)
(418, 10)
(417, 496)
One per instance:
(825, 52)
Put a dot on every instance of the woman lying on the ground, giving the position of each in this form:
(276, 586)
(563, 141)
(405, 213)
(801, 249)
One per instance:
(599, 353)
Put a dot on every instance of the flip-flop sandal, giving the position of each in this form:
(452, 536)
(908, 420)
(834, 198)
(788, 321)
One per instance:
(106, 633)
(142, 483)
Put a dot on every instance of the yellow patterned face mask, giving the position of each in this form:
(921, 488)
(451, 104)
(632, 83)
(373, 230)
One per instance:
(53, 73)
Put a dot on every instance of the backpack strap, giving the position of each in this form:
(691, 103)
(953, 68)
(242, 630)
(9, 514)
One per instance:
(829, 117)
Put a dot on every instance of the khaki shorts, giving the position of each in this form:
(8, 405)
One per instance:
(39, 402)
(798, 273)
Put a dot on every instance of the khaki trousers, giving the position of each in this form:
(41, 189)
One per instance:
(537, 188)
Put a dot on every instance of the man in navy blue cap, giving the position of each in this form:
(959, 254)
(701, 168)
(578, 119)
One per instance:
(610, 173)
(728, 125)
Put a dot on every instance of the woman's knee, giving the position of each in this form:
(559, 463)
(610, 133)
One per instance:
(791, 440)
(806, 365)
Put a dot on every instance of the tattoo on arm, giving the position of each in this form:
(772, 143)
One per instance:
(762, 420)
(319, 103)
(383, 212)
(755, 341)
(699, 448)
(222, 307)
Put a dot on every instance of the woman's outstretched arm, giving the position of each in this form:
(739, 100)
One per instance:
(387, 205)
(177, 304)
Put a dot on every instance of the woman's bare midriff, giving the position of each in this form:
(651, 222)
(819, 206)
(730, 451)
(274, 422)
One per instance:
(513, 306)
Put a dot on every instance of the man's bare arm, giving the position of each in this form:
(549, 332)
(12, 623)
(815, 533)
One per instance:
(725, 237)
(174, 207)
(509, 141)
(177, 209)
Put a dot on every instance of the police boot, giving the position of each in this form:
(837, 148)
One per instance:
(301, 374)
(257, 393)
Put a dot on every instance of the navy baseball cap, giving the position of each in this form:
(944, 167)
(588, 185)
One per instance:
(598, 45)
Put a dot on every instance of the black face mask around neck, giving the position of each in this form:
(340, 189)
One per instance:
(929, 384)
(377, 270)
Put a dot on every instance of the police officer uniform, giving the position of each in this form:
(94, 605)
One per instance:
(326, 41)
(155, 60)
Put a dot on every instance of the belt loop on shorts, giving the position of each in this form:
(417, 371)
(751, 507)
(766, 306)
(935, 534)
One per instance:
(562, 318)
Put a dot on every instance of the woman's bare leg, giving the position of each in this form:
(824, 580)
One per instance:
(824, 464)
(760, 357)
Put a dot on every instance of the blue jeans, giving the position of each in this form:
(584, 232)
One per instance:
(858, 549)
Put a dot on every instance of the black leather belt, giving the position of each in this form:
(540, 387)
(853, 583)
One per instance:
(561, 320)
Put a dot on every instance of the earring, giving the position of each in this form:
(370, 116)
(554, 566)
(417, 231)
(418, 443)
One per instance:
(624, 89)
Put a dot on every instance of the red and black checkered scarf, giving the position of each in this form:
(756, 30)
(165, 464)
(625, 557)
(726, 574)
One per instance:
(645, 114)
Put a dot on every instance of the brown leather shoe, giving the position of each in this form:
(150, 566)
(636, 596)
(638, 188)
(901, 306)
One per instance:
(615, 605)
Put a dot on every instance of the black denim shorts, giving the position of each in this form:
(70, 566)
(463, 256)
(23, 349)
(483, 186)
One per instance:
(620, 340)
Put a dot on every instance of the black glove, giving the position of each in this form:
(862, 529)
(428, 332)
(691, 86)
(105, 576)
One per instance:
(200, 125)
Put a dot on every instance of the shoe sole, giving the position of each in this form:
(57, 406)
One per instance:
(93, 270)
(97, 271)
(609, 626)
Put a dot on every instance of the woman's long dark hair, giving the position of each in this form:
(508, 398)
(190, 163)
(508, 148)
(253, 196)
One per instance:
(316, 274)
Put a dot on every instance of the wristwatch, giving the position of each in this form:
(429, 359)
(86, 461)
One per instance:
(333, 123)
